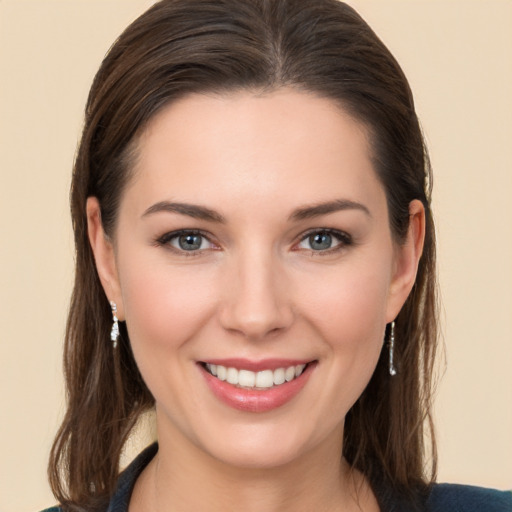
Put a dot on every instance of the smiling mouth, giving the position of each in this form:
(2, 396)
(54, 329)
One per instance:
(261, 380)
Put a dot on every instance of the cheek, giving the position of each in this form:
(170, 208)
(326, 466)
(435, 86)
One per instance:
(350, 300)
(164, 307)
(349, 313)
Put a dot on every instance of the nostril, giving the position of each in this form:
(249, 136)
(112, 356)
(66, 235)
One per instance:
(256, 320)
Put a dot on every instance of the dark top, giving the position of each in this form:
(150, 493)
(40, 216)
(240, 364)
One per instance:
(442, 498)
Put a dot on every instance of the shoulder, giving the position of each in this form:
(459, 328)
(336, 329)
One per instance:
(468, 498)
(126, 481)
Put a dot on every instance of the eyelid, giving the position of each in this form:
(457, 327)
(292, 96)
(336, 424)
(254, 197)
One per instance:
(164, 241)
(345, 239)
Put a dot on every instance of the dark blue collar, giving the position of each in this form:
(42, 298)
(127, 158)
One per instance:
(441, 497)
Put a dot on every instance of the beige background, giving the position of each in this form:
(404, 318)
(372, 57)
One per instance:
(458, 57)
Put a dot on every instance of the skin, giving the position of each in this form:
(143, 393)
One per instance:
(256, 289)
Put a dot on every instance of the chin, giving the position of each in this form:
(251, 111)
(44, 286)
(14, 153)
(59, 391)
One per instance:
(260, 446)
(258, 457)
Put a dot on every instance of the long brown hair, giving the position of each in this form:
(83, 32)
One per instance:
(182, 46)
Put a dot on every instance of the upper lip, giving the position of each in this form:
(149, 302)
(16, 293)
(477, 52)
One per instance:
(259, 365)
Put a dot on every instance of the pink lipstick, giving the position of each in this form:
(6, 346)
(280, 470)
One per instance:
(256, 386)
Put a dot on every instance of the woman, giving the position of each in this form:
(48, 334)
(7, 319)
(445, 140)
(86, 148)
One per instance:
(255, 259)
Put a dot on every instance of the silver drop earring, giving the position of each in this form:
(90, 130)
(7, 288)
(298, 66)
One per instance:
(114, 333)
(392, 369)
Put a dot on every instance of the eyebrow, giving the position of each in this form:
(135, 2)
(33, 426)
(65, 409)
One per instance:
(191, 210)
(309, 212)
(306, 212)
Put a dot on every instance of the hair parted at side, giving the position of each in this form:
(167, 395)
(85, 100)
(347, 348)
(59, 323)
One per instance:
(183, 46)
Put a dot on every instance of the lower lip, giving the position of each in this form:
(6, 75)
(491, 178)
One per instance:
(254, 400)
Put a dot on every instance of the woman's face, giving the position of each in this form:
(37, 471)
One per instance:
(253, 243)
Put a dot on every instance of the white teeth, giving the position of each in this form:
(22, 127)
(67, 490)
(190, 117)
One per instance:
(246, 378)
(221, 372)
(289, 374)
(232, 376)
(264, 379)
(279, 376)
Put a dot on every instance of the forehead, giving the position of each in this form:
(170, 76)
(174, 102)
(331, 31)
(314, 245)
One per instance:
(252, 147)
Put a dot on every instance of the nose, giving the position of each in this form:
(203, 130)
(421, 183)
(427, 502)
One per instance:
(257, 300)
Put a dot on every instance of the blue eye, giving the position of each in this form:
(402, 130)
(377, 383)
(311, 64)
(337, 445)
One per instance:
(320, 241)
(324, 240)
(186, 241)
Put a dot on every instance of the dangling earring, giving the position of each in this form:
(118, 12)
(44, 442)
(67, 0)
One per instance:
(114, 333)
(392, 369)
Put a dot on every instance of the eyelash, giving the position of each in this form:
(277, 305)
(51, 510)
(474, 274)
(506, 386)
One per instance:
(344, 239)
(164, 241)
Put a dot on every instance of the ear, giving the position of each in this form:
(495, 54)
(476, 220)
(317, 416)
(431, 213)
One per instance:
(104, 256)
(407, 257)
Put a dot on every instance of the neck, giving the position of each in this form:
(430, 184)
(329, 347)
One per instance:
(182, 478)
